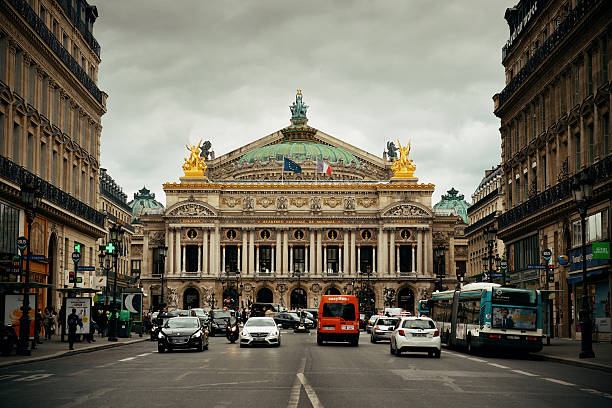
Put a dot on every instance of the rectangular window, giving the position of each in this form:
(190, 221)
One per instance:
(84, 140)
(544, 172)
(578, 163)
(605, 127)
(30, 152)
(3, 58)
(604, 59)
(54, 27)
(534, 121)
(92, 143)
(65, 176)
(54, 169)
(525, 252)
(525, 128)
(43, 14)
(91, 191)
(83, 190)
(543, 113)
(509, 140)
(65, 40)
(43, 161)
(518, 190)
(83, 63)
(16, 142)
(596, 228)
(55, 106)
(75, 181)
(17, 70)
(9, 228)
(75, 126)
(66, 115)
(31, 83)
(2, 134)
(590, 72)
(516, 135)
(45, 90)
(576, 84)
(591, 145)
(525, 187)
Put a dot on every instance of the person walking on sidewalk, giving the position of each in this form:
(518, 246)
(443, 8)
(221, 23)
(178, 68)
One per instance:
(73, 321)
(48, 323)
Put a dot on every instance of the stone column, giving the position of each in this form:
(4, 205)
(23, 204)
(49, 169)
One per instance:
(352, 254)
(257, 268)
(251, 264)
(345, 261)
(170, 258)
(200, 259)
(428, 253)
(146, 258)
(413, 269)
(358, 259)
(307, 258)
(183, 255)
(312, 253)
(279, 251)
(397, 259)
(223, 258)
(273, 260)
(216, 252)
(205, 252)
(325, 270)
(340, 260)
(240, 257)
(374, 260)
(285, 266)
(291, 260)
(318, 266)
(244, 259)
(392, 264)
(379, 265)
(177, 252)
(419, 263)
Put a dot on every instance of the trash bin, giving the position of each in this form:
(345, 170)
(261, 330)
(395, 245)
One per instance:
(125, 324)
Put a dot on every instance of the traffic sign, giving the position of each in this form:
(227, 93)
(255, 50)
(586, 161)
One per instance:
(22, 243)
(503, 264)
(530, 266)
(86, 268)
(496, 275)
(35, 257)
(546, 254)
(76, 257)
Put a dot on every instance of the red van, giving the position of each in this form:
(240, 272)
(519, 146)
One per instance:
(338, 319)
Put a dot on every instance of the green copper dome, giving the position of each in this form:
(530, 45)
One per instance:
(452, 201)
(299, 151)
(144, 200)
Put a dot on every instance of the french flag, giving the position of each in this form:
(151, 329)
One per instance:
(323, 167)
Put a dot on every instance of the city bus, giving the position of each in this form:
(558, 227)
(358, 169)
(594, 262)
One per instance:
(487, 315)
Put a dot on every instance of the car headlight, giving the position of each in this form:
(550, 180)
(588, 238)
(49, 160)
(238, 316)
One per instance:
(160, 335)
(273, 334)
(215, 324)
(245, 334)
(197, 334)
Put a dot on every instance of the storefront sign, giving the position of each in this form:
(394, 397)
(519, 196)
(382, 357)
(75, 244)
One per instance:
(601, 250)
(575, 256)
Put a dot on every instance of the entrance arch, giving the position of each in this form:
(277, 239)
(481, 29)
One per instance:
(191, 298)
(51, 251)
(332, 291)
(264, 295)
(298, 298)
(405, 299)
(367, 300)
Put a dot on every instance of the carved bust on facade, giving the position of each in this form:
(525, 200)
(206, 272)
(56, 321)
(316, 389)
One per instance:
(349, 203)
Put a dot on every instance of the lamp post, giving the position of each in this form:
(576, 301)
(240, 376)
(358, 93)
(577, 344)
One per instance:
(116, 237)
(582, 189)
(30, 198)
(439, 255)
(105, 266)
(490, 234)
(163, 252)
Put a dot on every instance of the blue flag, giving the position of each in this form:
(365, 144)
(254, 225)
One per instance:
(290, 165)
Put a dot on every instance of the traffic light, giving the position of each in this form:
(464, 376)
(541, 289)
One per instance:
(71, 277)
(551, 274)
(507, 277)
(77, 247)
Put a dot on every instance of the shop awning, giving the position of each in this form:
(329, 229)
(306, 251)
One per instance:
(101, 299)
(18, 286)
(576, 276)
(78, 290)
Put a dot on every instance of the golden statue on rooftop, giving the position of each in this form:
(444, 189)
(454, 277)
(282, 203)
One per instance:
(403, 168)
(194, 165)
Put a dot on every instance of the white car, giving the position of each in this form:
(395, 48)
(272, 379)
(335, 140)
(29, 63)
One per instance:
(383, 327)
(260, 330)
(416, 334)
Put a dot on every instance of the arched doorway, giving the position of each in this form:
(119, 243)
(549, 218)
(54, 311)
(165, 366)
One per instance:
(298, 298)
(264, 295)
(51, 251)
(191, 298)
(367, 300)
(405, 299)
(332, 291)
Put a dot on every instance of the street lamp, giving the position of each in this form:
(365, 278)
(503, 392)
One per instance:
(116, 237)
(163, 251)
(105, 265)
(490, 235)
(30, 198)
(582, 189)
(439, 255)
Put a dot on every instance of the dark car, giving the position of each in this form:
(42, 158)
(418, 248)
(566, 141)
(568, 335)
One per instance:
(314, 313)
(182, 333)
(158, 322)
(217, 320)
(200, 314)
(290, 320)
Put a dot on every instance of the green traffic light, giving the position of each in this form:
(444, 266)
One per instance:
(77, 248)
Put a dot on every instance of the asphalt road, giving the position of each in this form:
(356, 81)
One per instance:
(298, 374)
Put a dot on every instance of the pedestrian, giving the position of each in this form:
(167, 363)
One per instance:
(48, 323)
(62, 322)
(244, 315)
(73, 321)
(38, 323)
(54, 323)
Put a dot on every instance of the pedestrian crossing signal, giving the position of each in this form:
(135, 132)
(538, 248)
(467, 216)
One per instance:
(77, 248)
(71, 277)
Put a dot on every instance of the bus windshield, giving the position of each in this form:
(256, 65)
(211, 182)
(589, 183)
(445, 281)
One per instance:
(515, 297)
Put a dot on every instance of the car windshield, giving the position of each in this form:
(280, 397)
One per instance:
(182, 323)
(260, 323)
(222, 314)
(418, 324)
(386, 322)
(294, 315)
(343, 310)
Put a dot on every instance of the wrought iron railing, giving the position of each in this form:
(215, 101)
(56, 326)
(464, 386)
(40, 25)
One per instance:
(18, 175)
(81, 25)
(49, 38)
(478, 224)
(482, 201)
(574, 17)
(600, 171)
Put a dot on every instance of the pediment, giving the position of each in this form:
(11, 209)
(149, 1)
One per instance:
(406, 209)
(190, 208)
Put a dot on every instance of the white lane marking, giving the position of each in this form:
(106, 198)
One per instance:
(476, 359)
(592, 391)
(524, 373)
(558, 381)
(144, 354)
(498, 365)
(294, 396)
(127, 359)
(312, 395)
(8, 376)
(185, 374)
(33, 377)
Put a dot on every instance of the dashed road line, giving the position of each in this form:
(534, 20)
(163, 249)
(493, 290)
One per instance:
(477, 359)
(33, 377)
(524, 373)
(559, 382)
(127, 359)
(144, 354)
(312, 395)
(498, 365)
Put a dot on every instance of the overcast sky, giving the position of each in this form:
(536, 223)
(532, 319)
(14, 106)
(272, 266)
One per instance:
(371, 71)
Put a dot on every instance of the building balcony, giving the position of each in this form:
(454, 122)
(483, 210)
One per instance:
(575, 17)
(480, 223)
(18, 175)
(407, 274)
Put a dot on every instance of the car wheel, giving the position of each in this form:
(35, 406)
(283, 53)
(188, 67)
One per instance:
(319, 341)
(161, 349)
(430, 354)
(372, 339)
(355, 342)
(437, 353)
(200, 347)
(391, 350)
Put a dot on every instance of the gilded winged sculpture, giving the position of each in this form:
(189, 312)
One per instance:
(194, 165)
(403, 167)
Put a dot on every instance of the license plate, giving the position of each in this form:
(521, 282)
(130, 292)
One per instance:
(179, 340)
(419, 334)
(513, 337)
(348, 327)
(328, 327)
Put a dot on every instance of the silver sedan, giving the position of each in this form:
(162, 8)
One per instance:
(260, 331)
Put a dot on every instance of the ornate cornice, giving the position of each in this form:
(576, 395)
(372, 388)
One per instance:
(296, 186)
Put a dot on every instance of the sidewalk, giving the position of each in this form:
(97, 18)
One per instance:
(567, 350)
(54, 348)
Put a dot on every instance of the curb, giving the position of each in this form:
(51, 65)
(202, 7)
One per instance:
(574, 362)
(71, 352)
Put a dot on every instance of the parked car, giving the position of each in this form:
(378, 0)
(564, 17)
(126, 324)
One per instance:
(217, 320)
(260, 331)
(184, 333)
(258, 309)
(308, 318)
(416, 334)
(383, 327)
(370, 323)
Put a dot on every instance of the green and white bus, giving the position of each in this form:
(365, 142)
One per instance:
(488, 315)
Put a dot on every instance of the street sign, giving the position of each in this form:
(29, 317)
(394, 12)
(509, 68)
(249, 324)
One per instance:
(35, 257)
(22, 243)
(530, 266)
(496, 275)
(86, 268)
(503, 264)
(76, 257)
(546, 254)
